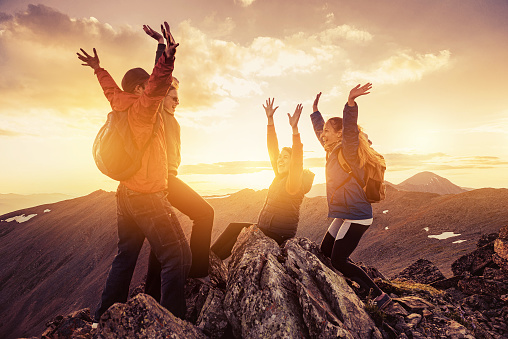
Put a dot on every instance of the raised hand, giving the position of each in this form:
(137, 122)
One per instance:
(269, 110)
(91, 61)
(153, 33)
(293, 119)
(358, 91)
(316, 101)
(171, 45)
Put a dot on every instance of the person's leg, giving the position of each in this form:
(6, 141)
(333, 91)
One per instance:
(329, 238)
(153, 277)
(278, 238)
(190, 203)
(226, 241)
(156, 219)
(130, 241)
(346, 241)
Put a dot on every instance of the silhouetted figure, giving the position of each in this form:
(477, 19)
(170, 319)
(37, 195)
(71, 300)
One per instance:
(279, 216)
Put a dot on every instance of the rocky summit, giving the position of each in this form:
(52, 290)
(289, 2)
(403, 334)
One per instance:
(292, 291)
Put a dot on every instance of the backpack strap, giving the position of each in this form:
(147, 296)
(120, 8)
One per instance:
(345, 166)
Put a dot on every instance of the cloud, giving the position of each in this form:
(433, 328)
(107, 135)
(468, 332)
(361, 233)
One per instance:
(345, 32)
(440, 161)
(245, 3)
(495, 126)
(402, 67)
(233, 167)
(395, 162)
(213, 70)
(39, 60)
(218, 27)
(4, 17)
(7, 133)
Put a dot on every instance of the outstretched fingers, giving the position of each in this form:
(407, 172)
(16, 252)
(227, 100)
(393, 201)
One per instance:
(293, 119)
(316, 102)
(88, 60)
(171, 44)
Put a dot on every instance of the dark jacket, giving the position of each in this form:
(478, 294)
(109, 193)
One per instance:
(345, 195)
(281, 211)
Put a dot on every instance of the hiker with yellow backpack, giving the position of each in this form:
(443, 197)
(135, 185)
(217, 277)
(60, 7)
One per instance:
(354, 179)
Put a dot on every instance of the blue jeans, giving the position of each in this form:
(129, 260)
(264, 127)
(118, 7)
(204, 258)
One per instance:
(187, 201)
(140, 216)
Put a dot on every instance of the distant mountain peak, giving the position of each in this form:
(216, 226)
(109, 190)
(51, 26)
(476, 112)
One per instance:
(429, 182)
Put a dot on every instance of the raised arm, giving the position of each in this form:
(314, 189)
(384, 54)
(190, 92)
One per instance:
(160, 39)
(271, 136)
(317, 119)
(159, 81)
(350, 131)
(294, 182)
(108, 84)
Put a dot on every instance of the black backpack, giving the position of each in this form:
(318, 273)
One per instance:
(114, 149)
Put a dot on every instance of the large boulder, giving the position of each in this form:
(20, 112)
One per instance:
(501, 243)
(422, 271)
(143, 317)
(212, 319)
(290, 293)
(331, 307)
(261, 301)
(474, 262)
(479, 285)
(75, 325)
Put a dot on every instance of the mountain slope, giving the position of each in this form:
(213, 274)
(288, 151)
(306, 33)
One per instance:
(12, 202)
(57, 261)
(429, 182)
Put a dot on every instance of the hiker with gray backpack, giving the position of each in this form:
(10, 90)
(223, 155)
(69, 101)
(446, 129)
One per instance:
(354, 179)
(143, 210)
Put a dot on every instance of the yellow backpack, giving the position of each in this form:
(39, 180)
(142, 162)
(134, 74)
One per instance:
(375, 188)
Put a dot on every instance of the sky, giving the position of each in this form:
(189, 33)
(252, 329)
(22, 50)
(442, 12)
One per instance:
(439, 100)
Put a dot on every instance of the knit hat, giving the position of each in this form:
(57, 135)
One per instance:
(134, 77)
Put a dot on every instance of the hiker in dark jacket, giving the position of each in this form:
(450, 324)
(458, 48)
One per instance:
(347, 202)
(179, 194)
(142, 208)
(279, 216)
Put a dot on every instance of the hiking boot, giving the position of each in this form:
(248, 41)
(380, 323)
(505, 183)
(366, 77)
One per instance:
(382, 301)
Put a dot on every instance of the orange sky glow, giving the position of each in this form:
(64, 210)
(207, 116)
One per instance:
(439, 100)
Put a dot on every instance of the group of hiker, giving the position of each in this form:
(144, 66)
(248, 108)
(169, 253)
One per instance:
(145, 200)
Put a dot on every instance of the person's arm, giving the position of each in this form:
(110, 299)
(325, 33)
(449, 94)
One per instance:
(159, 82)
(108, 84)
(350, 132)
(317, 119)
(294, 182)
(271, 136)
(160, 39)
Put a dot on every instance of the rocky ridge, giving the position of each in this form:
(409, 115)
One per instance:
(292, 291)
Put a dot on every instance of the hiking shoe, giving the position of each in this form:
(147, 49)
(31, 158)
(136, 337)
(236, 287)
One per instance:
(382, 301)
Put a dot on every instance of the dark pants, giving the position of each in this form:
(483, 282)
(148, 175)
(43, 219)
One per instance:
(187, 201)
(339, 250)
(225, 242)
(148, 215)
